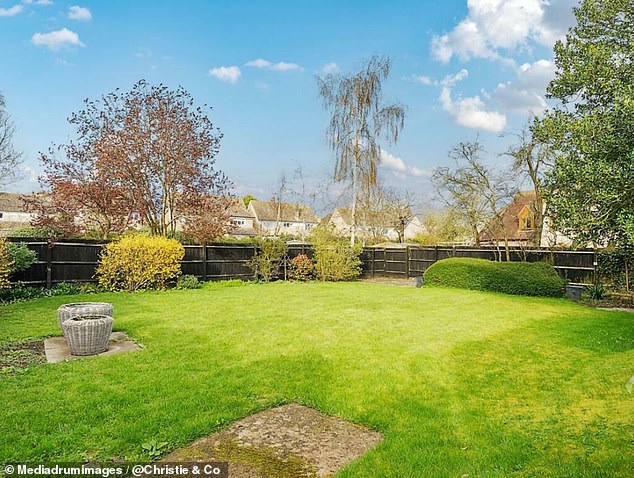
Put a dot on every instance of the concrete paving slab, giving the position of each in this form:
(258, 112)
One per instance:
(56, 348)
(287, 441)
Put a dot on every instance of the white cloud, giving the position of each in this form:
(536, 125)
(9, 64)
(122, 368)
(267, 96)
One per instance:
(470, 112)
(228, 74)
(38, 2)
(330, 69)
(396, 164)
(525, 94)
(280, 66)
(492, 26)
(390, 161)
(81, 14)
(260, 85)
(11, 11)
(29, 174)
(259, 63)
(422, 79)
(57, 39)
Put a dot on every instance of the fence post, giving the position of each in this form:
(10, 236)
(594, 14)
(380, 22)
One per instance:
(435, 253)
(49, 269)
(204, 261)
(373, 260)
(595, 265)
(407, 261)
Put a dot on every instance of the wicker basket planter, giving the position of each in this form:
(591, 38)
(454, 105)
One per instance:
(68, 311)
(88, 335)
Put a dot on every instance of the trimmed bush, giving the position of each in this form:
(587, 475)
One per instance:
(519, 278)
(140, 262)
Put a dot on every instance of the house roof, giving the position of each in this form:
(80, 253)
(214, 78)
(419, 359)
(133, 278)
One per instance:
(268, 211)
(11, 202)
(237, 209)
(510, 217)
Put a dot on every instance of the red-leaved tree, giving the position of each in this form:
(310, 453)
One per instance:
(146, 154)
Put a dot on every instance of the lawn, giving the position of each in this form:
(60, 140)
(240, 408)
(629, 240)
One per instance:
(459, 382)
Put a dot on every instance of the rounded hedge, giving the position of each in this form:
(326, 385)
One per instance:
(520, 278)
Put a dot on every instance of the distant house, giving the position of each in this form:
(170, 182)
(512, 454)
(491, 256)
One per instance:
(520, 228)
(374, 226)
(277, 218)
(242, 219)
(13, 216)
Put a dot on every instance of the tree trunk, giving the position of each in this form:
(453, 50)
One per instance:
(353, 212)
(476, 236)
(627, 274)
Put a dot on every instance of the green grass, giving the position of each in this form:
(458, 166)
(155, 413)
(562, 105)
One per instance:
(459, 382)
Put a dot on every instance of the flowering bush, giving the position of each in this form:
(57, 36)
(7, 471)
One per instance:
(140, 262)
(301, 268)
(5, 263)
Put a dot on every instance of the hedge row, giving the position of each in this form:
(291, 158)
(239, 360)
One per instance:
(520, 278)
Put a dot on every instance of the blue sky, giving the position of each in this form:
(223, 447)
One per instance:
(464, 69)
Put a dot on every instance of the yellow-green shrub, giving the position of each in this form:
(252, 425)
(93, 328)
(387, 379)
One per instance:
(5, 263)
(140, 262)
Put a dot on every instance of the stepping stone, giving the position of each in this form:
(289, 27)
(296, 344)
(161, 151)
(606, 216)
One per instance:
(287, 441)
(56, 348)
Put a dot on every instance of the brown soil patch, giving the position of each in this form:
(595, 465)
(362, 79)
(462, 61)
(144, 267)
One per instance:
(18, 356)
(291, 441)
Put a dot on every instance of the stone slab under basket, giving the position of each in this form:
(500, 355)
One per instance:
(56, 348)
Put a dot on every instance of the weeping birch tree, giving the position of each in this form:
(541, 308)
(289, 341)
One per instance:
(358, 121)
(10, 158)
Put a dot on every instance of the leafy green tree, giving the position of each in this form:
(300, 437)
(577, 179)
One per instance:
(247, 199)
(358, 120)
(590, 190)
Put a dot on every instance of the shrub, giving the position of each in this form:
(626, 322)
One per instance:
(63, 288)
(521, 278)
(6, 263)
(20, 291)
(22, 257)
(266, 262)
(596, 291)
(35, 232)
(139, 262)
(335, 259)
(301, 268)
(337, 262)
(188, 281)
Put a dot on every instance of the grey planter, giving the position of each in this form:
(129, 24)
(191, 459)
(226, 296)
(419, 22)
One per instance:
(88, 335)
(574, 291)
(68, 311)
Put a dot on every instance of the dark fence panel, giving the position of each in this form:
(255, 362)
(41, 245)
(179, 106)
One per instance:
(77, 261)
(575, 266)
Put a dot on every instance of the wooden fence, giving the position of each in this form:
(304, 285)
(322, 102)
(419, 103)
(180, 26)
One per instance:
(77, 261)
(575, 266)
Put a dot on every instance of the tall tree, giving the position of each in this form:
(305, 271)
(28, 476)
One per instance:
(532, 158)
(475, 192)
(10, 158)
(590, 190)
(149, 151)
(358, 121)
